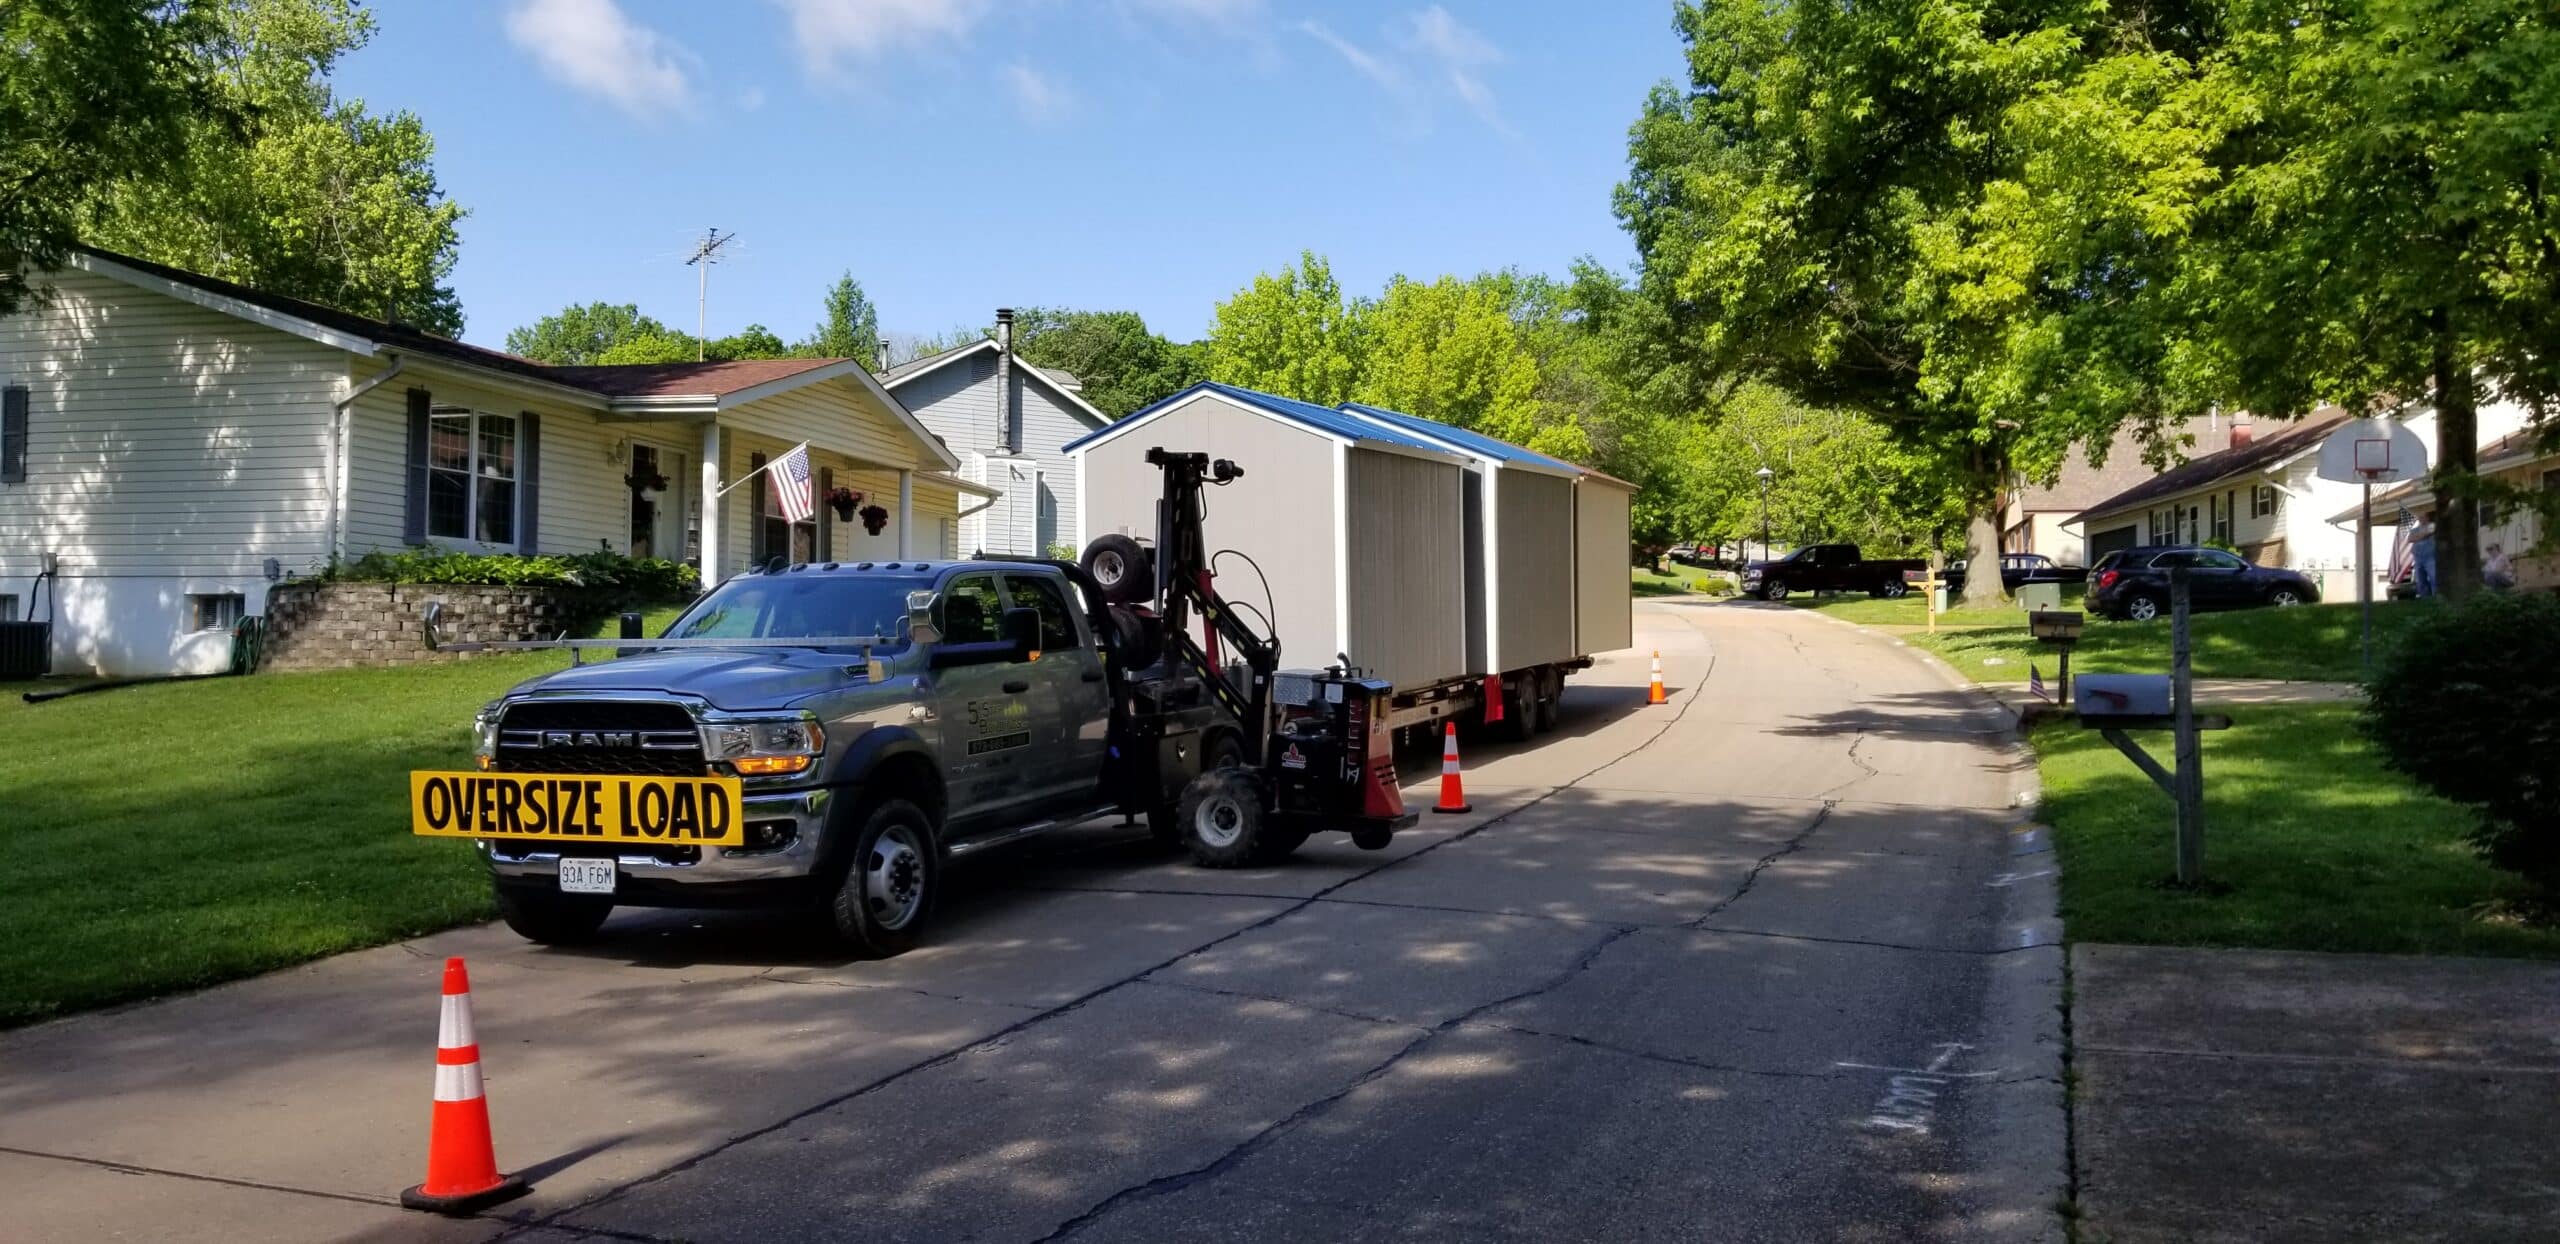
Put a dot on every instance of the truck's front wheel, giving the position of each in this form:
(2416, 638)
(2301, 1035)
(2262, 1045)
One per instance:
(550, 917)
(1222, 821)
(890, 882)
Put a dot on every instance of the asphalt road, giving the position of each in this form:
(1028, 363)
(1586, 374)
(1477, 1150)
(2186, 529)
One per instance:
(1771, 962)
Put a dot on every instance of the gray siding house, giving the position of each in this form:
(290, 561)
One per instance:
(1009, 422)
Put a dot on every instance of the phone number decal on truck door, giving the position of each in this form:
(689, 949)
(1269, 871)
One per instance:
(669, 811)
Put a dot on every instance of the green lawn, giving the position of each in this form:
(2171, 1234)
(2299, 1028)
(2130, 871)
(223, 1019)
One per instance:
(2313, 642)
(1913, 610)
(2309, 845)
(1682, 581)
(174, 835)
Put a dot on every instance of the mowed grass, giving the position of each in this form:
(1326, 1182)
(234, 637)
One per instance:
(2310, 844)
(1682, 581)
(2318, 643)
(174, 835)
(1913, 610)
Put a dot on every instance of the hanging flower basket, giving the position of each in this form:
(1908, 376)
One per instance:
(651, 482)
(843, 501)
(874, 519)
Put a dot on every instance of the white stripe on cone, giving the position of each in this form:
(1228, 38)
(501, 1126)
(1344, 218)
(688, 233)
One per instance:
(453, 1023)
(460, 1083)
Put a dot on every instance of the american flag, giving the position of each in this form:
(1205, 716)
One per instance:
(2404, 552)
(2035, 682)
(791, 484)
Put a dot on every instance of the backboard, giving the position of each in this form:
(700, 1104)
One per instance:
(2372, 451)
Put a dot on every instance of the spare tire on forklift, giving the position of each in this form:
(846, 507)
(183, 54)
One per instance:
(1121, 566)
(1223, 822)
(1137, 637)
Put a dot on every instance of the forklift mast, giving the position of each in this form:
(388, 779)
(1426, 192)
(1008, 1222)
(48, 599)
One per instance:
(1184, 584)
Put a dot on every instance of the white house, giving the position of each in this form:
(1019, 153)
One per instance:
(1009, 423)
(174, 445)
(2261, 495)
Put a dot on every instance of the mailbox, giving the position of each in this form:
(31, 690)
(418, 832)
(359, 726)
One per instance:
(2109, 699)
(1915, 576)
(2054, 626)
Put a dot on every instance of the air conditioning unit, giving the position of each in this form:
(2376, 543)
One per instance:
(26, 649)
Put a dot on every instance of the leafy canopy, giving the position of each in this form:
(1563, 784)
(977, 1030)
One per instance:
(1123, 366)
(1291, 334)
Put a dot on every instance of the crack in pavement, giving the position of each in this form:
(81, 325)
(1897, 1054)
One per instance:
(129, 1168)
(1293, 1003)
(768, 976)
(1752, 878)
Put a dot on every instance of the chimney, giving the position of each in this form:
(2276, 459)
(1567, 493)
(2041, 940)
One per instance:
(1008, 425)
(2241, 434)
(881, 349)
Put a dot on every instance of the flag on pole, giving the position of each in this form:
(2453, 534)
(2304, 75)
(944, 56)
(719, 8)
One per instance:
(2404, 554)
(2035, 682)
(791, 484)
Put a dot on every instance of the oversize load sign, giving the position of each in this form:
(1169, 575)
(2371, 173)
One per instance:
(648, 811)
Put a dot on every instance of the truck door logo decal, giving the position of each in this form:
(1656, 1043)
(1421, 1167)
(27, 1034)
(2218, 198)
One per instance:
(999, 743)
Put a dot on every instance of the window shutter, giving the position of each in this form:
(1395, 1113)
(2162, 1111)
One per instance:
(826, 517)
(413, 514)
(756, 551)
(528, 482)
(13, 434)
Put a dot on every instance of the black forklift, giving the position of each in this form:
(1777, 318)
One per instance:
(1224, 752)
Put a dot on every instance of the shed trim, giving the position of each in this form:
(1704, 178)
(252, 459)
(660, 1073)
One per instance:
(1341, 546)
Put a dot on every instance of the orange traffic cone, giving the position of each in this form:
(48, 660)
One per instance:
(1453, 795)
(462, 1166)
(1655, 696)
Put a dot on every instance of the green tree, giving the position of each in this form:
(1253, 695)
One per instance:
(2390, 225)
(663, 345)
(92, 92)
(314, 197)
(580, 335)
(1291, 334)
(1124, 367)
(850, 328)
(1450, 350)
(1954, 218)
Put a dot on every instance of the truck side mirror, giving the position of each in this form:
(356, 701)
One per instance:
(1021, 629)
(631, 626)
(920, 627)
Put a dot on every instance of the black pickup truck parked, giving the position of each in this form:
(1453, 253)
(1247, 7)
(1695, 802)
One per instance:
(1825, 568)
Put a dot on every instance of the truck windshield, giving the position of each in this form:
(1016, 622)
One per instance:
(800, 606)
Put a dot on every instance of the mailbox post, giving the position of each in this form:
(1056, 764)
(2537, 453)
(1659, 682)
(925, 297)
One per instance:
(2060, 628)
(2112, 704)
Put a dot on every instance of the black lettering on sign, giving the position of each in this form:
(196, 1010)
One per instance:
(439, 811)
(468, 806)
(684, 822)
(510, 799)
(539, 799)
(653, 813)
(591, 794)
(622, 794)
(716, 813)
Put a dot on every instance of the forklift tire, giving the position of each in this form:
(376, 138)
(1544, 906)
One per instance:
(1136, 637)
(1121, 566)
(1372, 839)
(550, 918)
(1221, 820)
(1164, 824)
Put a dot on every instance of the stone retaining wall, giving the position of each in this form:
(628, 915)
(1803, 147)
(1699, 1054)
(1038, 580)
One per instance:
(343, 625)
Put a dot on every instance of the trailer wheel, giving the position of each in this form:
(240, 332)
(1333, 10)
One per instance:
(1121, 566)
(1519, 709)
(1550, 698)
(1222, 821)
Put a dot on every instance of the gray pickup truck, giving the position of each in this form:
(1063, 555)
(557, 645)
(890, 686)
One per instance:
(981, 713)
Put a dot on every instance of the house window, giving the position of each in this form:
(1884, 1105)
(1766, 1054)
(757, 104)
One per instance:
(2222, 508)
(217, 611)
(471, 476)
(2264, 500)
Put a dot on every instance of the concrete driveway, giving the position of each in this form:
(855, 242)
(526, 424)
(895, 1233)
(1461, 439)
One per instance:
(1770, 962)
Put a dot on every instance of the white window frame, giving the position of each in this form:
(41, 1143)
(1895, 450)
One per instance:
(473, 476)
(237, 609)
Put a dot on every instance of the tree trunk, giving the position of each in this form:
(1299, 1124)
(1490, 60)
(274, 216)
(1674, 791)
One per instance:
(2457, 465)
(1983, 587)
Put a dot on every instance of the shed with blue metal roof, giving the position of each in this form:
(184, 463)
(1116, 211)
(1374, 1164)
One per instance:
(1357, 526)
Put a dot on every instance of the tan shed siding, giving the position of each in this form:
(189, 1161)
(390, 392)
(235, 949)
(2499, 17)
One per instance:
(1279, 513)
(164, 438)
(1604, 593)
(1534, 546)
(1408, 568)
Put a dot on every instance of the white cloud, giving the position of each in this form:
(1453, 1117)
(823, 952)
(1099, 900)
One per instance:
(594, 46)
(1204, 12)
(830, 32)
(1460, 54)
(1370, 66)
(1042, 98)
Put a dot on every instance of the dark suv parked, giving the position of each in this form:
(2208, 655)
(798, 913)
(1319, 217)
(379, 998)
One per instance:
(2134, 583)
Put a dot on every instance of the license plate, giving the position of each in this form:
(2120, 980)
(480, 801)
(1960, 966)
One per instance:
(613, 811)
(586, 876)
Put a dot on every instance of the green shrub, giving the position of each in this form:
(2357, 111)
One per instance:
(610, 573)
(2468, 703)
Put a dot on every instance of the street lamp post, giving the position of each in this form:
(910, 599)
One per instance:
(1765, 475)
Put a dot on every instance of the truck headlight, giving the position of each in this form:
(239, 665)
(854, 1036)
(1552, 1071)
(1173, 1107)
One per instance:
(484, 738)
(765, 748)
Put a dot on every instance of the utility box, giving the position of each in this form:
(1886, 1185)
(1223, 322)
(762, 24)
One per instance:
(26, 649)
(2120, 699)
(2040, 596)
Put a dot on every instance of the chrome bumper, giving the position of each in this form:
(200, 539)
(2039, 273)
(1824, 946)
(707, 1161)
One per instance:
(806, 809)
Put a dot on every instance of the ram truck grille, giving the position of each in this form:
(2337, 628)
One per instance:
(599, 737)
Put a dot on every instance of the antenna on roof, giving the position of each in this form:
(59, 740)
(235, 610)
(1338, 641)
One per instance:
(705, 253)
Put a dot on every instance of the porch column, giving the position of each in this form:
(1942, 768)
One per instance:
(906, 514)
(710, 516)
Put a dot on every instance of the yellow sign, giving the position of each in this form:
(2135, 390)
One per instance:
(642, 811)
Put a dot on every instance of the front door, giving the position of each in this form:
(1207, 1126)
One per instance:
(986, 714)
(1071, 704)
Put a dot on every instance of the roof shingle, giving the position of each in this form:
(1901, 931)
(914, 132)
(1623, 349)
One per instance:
(2264, 451)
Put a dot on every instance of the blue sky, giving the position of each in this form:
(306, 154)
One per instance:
(959, 155)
